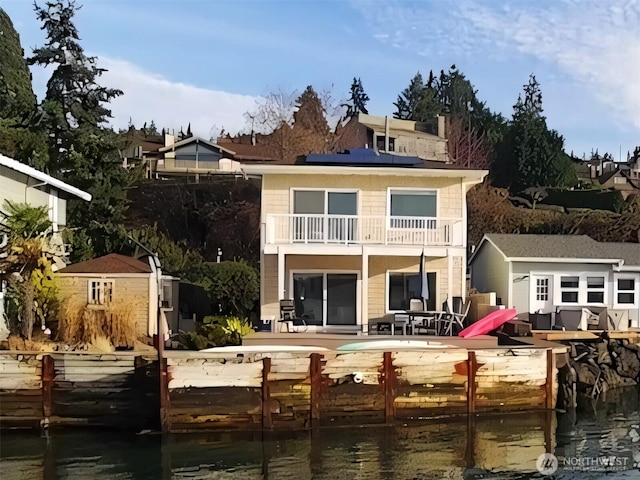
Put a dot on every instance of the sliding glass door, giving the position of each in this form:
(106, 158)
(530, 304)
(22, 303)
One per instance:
(324, 299)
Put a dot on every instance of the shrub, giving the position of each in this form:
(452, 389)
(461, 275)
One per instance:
(234, 286)
(81, 324)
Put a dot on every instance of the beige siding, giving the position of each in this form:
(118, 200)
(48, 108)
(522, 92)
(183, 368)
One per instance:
(130, 291)
(276, 191)
(15, 189)
(490, 273)
(378, 268)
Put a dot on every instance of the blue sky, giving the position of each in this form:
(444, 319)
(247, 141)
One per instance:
(206, 62)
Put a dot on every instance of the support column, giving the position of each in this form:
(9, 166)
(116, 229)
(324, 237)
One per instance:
(364, 292)
(281, 273)
(450, 254)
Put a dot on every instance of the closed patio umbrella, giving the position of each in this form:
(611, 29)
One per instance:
(424, 283)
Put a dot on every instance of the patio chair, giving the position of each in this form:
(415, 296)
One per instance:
(289, 319)
(540, 321)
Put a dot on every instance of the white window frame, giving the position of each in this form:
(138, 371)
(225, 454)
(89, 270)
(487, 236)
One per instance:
(582, 288)
(635, 291)
(101, 283)
(602, 289)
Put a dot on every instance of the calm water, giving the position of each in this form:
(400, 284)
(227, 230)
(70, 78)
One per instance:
(489, 447)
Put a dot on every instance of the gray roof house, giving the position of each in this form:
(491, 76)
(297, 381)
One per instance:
(547, 273)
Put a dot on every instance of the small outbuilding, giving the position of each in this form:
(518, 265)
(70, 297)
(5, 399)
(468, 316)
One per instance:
(118, 280)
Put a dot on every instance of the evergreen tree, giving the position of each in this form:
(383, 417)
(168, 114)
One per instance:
(531, 154)
(81, 148)
(358, 99)
(18, 105)
(418, 101)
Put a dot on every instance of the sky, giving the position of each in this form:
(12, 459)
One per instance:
(206, 62)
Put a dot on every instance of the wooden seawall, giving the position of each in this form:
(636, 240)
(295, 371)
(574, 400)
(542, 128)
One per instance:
(62, 389)
(271, 390)
(293, 390)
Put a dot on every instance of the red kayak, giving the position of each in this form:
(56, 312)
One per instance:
(489, 323)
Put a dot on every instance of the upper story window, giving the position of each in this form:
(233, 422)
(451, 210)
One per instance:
(380, 144)
(197, 155)
(322, 202)
(619, 180)
(414, 209)
(100, 292)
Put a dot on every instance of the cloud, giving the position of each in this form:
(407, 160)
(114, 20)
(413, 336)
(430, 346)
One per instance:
(173, 105)
(596, 44)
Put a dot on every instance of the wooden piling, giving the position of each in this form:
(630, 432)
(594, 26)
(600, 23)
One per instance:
(48, 374)
(390, 387)
(472, 367)
(551, 370)
(315, 372)
(165, 407)
(267, 421)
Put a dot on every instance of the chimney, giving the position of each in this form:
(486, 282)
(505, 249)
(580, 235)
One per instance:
(441, 132)
(386, 133)
(169, 139)
(253, 138)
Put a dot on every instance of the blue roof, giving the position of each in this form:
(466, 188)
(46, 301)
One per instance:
(362, 156)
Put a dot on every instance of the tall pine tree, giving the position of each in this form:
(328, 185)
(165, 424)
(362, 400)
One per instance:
(82, 150)
(418, 101)
(531, 154)
(358, 99)
(18, 106)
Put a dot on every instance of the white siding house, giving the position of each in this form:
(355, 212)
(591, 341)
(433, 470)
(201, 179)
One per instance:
(547, 273)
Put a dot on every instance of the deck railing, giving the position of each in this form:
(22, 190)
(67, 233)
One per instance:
(358, 230)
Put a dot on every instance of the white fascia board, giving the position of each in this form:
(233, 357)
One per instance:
(564, 260)
(43, 177)
(467, 175)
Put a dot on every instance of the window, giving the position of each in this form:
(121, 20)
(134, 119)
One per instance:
(569, 289)
(595, 289)
(542, 289)
(380, 144)
(626, 290)
(324, 216)
(100, 292)
(619, 180)
(197, 155)
(405, 286)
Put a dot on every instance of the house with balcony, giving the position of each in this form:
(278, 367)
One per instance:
(343, 236)
(191, 157)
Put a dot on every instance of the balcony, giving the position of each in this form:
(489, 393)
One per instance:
(363, 230)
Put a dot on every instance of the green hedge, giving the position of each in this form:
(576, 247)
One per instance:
(593, 199)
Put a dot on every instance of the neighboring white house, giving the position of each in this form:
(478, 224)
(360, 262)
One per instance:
(20, 183)
(545, 273)
(343, 235)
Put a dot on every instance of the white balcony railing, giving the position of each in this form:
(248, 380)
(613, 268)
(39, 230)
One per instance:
(354, 229)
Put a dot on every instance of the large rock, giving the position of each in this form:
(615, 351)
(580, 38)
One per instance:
(586, 373)
(614, 380)
(604, 357)
(626, 361)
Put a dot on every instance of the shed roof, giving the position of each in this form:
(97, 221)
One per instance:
(112, 263)
(629, 252)
(551, 246)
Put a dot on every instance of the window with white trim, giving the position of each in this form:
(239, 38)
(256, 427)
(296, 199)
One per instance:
(100, 292)
(626, 290)
(413, 209)
(542, 289)
(569, 289)
(595, 289)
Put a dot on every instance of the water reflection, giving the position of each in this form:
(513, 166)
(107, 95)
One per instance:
(487, 447)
